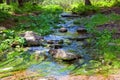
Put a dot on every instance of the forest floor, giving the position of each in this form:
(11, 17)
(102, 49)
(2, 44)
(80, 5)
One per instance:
(21, 75)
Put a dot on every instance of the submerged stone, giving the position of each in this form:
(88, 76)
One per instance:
(63, 30)
(56, 46)
(80, 38)
(63, 55)
(81, 30)
(50, 41)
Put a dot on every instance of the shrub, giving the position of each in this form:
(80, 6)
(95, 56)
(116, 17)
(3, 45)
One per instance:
(83, 9)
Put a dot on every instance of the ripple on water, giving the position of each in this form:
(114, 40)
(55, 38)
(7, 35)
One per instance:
(32, 49)
(53, 37)
(48, 68)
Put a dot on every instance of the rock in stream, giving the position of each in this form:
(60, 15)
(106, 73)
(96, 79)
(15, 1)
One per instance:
(32, 39)
(63, 55)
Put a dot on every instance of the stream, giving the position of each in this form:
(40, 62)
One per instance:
(71, 41)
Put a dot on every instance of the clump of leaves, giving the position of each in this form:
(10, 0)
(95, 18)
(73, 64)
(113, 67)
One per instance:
(42, 23)
(52, 9)
(84, 10)
(9, 38)
(4, 15)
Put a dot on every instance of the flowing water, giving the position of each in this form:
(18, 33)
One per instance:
(51, 67)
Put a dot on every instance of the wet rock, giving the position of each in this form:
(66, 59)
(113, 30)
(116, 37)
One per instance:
(63, 30)
(32, 39)
(56, 46)
(80, 38)
(50, 41)
(40, 55)
(63, 55)
(81, 30)
(69, 15)
(60, 41)
(55, 41)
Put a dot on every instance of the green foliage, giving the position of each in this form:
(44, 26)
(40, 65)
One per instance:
(104, 55)
(65, 4)
(18, 60)
(42, 23)
(28, 7)
(103, 3)
(83, 9)
(52, 9)
(88, 69)
(9, 38)
(98, 19)
(4, 16)
(6, 8)
(103, 38)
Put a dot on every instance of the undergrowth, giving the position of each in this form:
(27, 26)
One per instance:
(105, 57)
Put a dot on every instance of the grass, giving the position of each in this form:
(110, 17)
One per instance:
(17, 61)
(95, 20)
(104, 55)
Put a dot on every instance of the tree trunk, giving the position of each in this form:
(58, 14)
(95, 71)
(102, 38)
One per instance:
(8, 2)
(14, 1)
(20, 3)
(1, 1)
(87, 2)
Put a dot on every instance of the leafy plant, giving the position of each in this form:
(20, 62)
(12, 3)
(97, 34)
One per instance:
(10, 39)
(83, 9)
(4, 16)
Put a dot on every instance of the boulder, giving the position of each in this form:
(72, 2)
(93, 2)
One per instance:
(56, 46)
(50, 41)
(32, 39)
(63, 55)
(63, 30)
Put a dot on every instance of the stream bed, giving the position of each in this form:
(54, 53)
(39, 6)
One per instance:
(70, 41)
